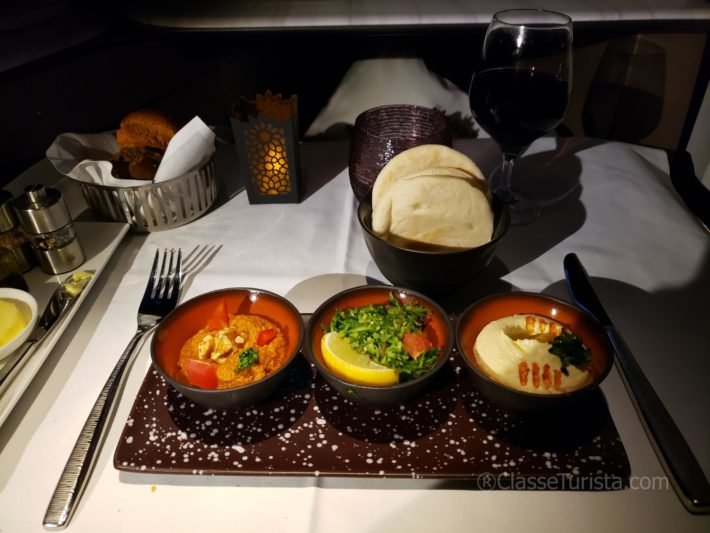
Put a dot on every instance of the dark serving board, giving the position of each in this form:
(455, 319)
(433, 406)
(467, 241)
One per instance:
(307, 429)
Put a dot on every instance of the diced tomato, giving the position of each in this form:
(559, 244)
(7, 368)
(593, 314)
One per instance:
(201, 373)
(220, 316)
(265, 337)
(416, 343)
(430, 333)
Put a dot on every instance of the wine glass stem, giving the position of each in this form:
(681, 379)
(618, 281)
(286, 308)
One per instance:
(505, 189)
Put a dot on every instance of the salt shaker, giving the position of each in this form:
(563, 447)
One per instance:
(46, 221)
(12, 237)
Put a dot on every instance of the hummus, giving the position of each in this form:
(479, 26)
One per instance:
(514, 351)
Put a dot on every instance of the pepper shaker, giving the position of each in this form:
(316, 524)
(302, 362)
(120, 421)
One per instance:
(48, 224)
(12, 237)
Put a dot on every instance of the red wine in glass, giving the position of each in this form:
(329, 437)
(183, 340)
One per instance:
(517, 106)
(522, 90)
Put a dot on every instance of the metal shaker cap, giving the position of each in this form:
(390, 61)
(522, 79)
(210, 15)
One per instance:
(41, 209)
(8, 220)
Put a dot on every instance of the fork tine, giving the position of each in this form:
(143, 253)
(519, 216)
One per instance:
(165, 278)
(149, 290)
(169, 276)
(160, 281)
(177, 277)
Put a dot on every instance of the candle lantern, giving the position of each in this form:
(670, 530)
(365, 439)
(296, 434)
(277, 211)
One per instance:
(266, 138)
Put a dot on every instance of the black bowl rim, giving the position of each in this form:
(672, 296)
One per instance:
(444, 356)
(499, 231)
(523, 394)
(215, 392)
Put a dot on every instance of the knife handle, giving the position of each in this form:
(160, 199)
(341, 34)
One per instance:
(81, 461)
(675, 454)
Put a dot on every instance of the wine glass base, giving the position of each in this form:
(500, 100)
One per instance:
(522, 210)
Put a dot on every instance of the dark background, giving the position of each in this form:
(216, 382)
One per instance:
(78, 66)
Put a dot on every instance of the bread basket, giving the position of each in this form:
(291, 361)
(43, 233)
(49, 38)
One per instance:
(156, 206)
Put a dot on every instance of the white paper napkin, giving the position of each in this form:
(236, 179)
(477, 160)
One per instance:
(86, 157)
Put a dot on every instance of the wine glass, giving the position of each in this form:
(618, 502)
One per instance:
(522, 89)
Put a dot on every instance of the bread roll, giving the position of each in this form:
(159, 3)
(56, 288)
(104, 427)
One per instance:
(142, 138)
(146, 128)
(136, 163)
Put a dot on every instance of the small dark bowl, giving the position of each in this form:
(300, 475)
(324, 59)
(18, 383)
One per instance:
(433, 271)
(191, 316)
(476, 316)
(359, 296)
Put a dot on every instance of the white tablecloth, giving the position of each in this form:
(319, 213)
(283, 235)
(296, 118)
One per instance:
(647, 255)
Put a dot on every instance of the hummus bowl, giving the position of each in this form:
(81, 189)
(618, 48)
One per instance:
(499, 309)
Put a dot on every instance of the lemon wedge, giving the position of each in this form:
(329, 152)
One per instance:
(352, 365)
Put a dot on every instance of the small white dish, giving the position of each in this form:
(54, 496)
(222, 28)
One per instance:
(99, 240)
(27, 305)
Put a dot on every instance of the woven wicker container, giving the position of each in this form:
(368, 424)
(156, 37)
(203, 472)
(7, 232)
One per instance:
(156, 206)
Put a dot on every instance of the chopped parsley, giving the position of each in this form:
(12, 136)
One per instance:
(377, 331)
(571, 351)
(247, 358)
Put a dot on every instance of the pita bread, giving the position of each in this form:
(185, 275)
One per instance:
(474, 182)
(444, 171)
(421, 160)
(436, 210)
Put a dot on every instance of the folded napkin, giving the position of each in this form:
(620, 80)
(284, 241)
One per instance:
(87, 157)
(384, 81)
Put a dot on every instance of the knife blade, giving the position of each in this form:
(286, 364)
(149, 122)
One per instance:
(61, 301)
(683, 469)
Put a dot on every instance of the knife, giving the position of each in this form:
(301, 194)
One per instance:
(673, 451)
(61, 301)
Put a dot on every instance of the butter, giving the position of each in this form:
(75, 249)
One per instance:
(77, 283)
(12, 322)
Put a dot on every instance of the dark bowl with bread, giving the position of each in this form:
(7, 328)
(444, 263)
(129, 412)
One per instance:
(430, 269)
(431, 223)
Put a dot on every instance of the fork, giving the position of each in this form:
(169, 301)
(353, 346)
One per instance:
(160, 297)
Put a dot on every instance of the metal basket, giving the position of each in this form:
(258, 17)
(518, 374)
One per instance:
(156, 206)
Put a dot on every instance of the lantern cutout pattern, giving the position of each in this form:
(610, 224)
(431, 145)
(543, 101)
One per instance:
(268, 158)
